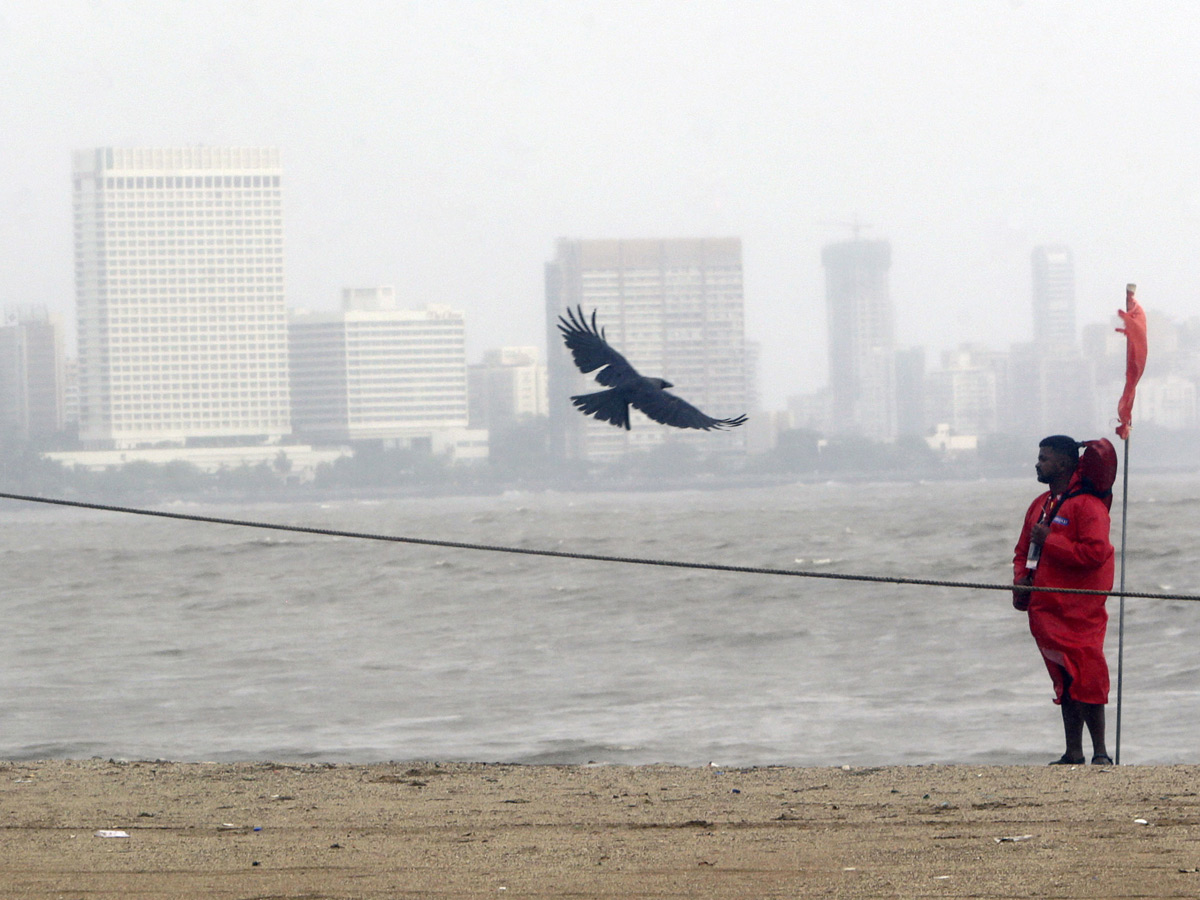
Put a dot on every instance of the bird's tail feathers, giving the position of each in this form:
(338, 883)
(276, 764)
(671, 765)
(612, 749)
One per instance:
(720, 424)
(607, 406)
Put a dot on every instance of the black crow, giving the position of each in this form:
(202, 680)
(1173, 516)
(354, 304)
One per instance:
(626, 387)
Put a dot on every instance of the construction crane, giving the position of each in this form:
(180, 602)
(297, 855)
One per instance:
(855, 227)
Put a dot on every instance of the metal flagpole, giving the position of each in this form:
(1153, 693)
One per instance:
(1121, 615)
(1134, 329)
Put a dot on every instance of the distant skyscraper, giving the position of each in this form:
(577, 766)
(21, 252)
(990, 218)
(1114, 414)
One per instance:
(1053, 298)
(32, 375)
(375, 371)
(862, 366)
(182, 324)
(1051, 382)
(674, 309)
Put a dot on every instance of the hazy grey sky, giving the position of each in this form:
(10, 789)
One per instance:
(443, 146)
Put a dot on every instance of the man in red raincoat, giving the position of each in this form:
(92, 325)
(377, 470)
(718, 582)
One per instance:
(1064, 543)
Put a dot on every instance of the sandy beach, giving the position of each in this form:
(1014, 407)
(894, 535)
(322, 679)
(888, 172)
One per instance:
(102, 829)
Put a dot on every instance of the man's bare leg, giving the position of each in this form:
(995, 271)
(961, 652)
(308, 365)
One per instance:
(1073, 719)
(1093, 717)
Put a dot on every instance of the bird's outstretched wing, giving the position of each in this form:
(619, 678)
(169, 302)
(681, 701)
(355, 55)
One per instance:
(668, 409)
(590, 349)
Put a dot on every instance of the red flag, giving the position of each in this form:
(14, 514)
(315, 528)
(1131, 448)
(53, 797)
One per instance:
(1134, 319)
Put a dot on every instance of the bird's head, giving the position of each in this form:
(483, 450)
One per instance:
(661, 383)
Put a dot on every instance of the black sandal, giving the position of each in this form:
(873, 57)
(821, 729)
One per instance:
(1065, 760)
(1101, 759)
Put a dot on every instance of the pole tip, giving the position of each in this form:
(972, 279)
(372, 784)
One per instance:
(1130, 288)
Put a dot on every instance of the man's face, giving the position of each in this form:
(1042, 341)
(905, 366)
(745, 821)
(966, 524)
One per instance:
(1050, 465)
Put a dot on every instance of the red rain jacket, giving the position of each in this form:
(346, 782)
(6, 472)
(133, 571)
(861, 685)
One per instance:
(1069, 628)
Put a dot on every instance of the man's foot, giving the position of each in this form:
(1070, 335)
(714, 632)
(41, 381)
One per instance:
(1065, 760)
(1102, 759)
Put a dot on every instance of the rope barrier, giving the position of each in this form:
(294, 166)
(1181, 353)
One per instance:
(593, 557)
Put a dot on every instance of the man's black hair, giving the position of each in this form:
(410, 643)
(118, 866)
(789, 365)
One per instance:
(1061, 444)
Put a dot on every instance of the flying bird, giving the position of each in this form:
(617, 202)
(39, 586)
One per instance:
(626, 386)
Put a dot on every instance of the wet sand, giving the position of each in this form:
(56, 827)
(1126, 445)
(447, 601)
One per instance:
(262, 830)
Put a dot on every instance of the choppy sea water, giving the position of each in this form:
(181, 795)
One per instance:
(146, 638)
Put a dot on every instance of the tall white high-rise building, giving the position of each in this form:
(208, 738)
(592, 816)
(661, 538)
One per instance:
(674, 309)
(182, 323)
(374, 371)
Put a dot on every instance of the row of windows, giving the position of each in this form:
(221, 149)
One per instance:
(183, 221)
(223, 264)
(645, 270)
(232, 238)
(235, 242)
(383, 392)
(383, 352)
(202, 268)
(655, 306)
(660, 284)
(166, 372)
(131, 314)
(264, 286)
(378, 349)
(451, 329)
(239, 288)
(179, 219)
(140, 295)
(167, 200)
(238, 284)
(657, 309)
(149, 241)
(131, 295)
(125, 339)
(208, 379)
(412, 412)
(259, 355)
(267, 252)
(215, 321)
(133, 425)
(185, 378)
(223, 223)
(258, 308)
(446, 379)
(160, 182)
(386, 332)
(184, 410)
(132, 300)
(229, 403)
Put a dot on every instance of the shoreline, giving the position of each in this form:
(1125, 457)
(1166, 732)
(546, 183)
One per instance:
(386, 830)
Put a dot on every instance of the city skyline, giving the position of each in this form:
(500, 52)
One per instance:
(1054, 259)
(175, 264)
(1042, 385)
(1060, 267)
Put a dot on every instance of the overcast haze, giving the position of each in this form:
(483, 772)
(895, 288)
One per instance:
(442, 147)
